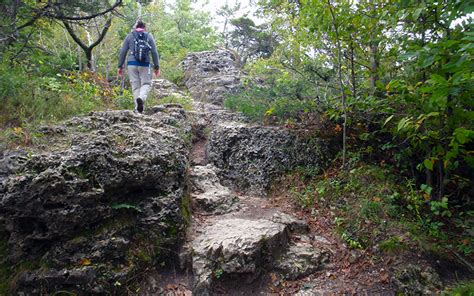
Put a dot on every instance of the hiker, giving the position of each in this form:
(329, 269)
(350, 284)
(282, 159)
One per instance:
(140, 44)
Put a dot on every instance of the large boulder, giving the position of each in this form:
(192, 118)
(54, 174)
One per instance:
(212, 75)
(251, 157)
(235, 246)
(99, 201)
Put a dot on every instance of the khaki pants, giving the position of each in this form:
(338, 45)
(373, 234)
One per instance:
(140, 79)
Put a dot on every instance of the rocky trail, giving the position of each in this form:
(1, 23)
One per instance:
(240, 242)
(172, 202)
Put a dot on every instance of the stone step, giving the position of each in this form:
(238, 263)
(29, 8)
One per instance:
(208, 195)
(235, 246)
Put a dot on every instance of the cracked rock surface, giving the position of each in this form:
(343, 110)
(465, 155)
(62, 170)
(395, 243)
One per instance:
(208, 194)
(211, 75)
(251, 157)
(235, 246)
(88, 202)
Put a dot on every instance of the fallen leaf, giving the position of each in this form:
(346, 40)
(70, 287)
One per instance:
(85, 262)
(384, 278)
(273, 277)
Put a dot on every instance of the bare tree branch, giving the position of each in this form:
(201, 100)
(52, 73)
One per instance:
(88, 17)
(88, 48)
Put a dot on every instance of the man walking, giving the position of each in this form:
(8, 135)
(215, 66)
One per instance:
(140, 44)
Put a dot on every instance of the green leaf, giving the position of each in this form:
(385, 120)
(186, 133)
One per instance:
(428, 61)
(463, 135)
(435, 78)
(364, 136)
(428, 163)
(387, 120)
(403, 123)
(469, 160)
(427, 189)
(439, 98)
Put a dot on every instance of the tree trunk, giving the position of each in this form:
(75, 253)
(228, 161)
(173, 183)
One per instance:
(341, 83)
(353, 74)
(374, 65)
(79, 60)
(374, 58)
(88, 53)
(88, 48)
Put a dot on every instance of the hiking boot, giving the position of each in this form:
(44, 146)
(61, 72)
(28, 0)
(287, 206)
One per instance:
(139, 105)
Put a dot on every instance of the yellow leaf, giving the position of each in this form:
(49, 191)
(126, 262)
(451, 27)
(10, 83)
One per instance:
(426, 196)
(17, 130)
(269, 112)
(85, 262)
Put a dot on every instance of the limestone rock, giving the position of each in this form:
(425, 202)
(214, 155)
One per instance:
(250, 157)
(211, 75)
(300, 260)
(165, 88)
(235, 246)
(111, 183)
(211, 115)
(416, 280)
(295, 225)
(81, 277)
(11, 162)
(208, 194)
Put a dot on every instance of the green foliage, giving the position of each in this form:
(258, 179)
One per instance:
(42, 84)
(185, 207)
(461, 289)
(281, 99)
(250, 40)
(364, 200)
(185, 102)
(218, 273)
(34, 95)
(392, 244)
(180, 29)
(436, 95)
(375, 208)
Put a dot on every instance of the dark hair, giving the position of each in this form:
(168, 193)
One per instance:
(140, 24)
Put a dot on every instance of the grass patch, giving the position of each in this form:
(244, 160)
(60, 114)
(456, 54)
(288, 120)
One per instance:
(185, 101)
(376, 208)
(365, 201)
(462, 289)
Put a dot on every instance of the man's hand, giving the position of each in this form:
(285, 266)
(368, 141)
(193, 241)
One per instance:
(120, 72)
(157, 73)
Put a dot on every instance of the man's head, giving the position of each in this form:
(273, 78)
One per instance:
(140, 25)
